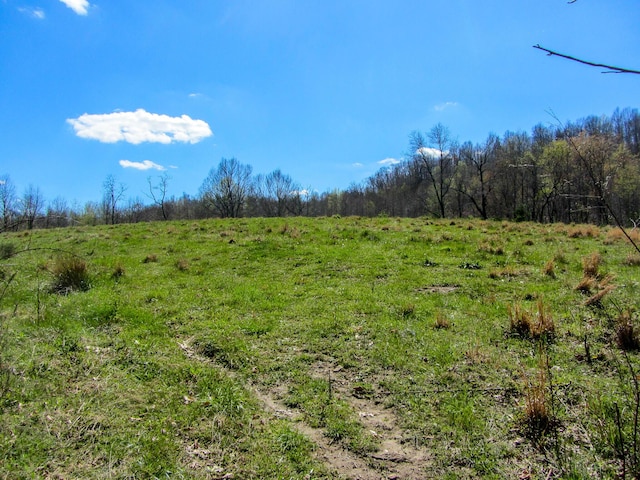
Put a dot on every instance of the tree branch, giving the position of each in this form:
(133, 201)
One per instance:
(609, 68)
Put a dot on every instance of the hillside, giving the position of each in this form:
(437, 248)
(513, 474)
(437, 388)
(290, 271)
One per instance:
(319, 348)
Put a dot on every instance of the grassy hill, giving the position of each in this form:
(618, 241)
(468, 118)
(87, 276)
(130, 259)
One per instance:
(319, 348)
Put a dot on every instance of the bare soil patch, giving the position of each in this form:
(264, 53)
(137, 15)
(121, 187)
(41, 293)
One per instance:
(396, 458)
(438, 289)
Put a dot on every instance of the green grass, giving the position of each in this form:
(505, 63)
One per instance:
(151, 368)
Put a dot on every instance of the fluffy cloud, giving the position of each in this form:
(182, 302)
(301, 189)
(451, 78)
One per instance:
(144, 165)
(387, 162)
(81, 7)
(140, 126)
(443, 106)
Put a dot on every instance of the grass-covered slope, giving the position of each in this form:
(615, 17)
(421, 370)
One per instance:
(318, 348)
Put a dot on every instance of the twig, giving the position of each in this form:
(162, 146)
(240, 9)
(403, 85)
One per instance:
(609, 68)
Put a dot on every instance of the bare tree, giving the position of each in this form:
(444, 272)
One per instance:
(226, 188)
(436, 161)
(111, 195)
(7, 202)
(57, 213)
(32, 204)
(158, 193)
(479, 161)
(280, 195)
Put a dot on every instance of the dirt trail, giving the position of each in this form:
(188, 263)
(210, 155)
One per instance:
(396, 459)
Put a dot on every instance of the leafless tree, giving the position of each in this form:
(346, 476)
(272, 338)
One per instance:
(479, 161)
(280, 195)
(226, 188)
(436, 161)
(7, 202)
(32, 204)
(112, 194)
(158, 193)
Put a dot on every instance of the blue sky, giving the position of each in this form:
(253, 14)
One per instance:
(325, 90)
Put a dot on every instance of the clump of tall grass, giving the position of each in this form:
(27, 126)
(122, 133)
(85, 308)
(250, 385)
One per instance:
(538, 415)
(626, 333)
(7, 250)
(442, 322)
(151, 258)
(578, 231)
(528, 324)
(632, 260)
(616, 234)
(70, 273)
(182, 265)
(549, 269)
(591, 265)
(593, 280)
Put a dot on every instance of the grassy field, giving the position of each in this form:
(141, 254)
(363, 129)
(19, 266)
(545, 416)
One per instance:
(319, 348)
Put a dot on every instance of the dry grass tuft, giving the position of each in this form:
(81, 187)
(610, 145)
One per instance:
(593, 280)
(626, 334)
(537, 405)
(182, 265)
(632, 260)
(70, 274)
(596, 299)
(491, 248)
(442, 322)
(550, 269)
(506, 272)
(118, 272)
(586, 285)
(616, 234)
(152, 258)
(531, 325)
(578, 231)
(591, 265)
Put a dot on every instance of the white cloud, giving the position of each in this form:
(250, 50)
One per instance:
(140, 126)
(357, 165)
(144, 165)
(387, 162)
(428, 152)
(443, 106)
(33, 12)
(81, 7)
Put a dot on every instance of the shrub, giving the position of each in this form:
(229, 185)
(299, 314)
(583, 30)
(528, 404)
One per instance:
(70, 274)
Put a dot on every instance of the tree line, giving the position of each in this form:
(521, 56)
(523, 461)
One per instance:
(587, 171)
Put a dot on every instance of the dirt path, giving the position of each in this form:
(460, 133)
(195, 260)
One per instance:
(397, 458)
